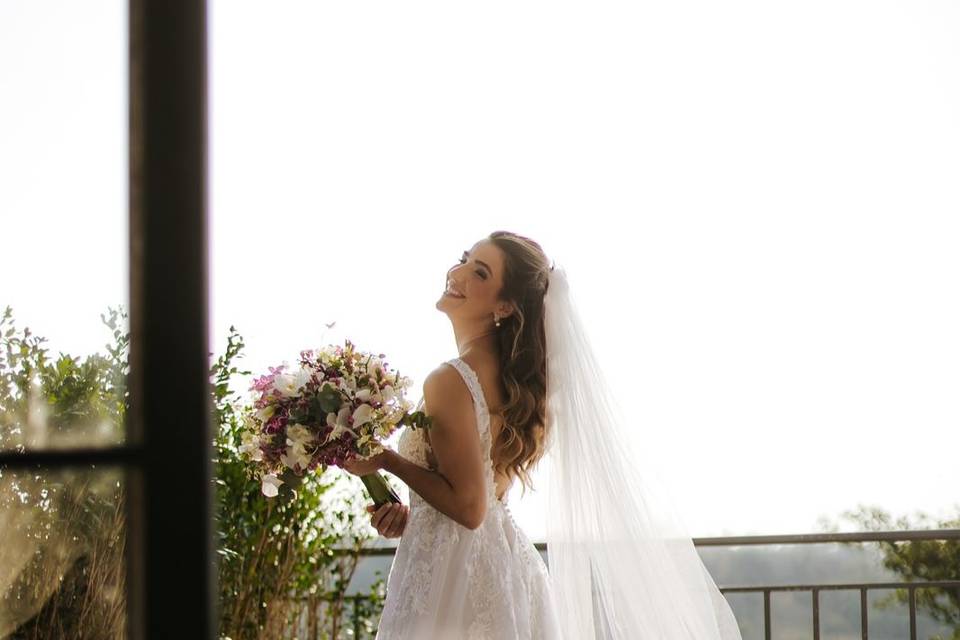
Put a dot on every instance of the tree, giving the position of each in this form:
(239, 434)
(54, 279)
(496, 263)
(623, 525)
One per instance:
(916, 561)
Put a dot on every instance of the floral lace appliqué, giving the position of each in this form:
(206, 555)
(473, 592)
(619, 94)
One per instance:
(449, 581)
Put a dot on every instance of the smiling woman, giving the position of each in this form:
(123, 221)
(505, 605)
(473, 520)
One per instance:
(463, 567)
(483, 281)
(747, 280)
(763, 261)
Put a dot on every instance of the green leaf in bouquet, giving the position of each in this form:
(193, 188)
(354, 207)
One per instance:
(329, 399)
(316, 409)
(417, 420)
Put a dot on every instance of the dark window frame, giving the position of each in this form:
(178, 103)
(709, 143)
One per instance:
(167, 457)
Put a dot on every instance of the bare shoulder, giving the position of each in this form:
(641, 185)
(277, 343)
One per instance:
(445, 392)
(444, 374)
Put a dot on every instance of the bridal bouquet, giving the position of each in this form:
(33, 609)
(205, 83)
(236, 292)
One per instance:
(336, 405)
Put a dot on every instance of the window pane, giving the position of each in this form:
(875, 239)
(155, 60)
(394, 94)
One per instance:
(63, 194)
(62, 568)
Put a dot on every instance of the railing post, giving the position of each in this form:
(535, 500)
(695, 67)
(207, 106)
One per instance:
(912, 592)
(816, 613)
(766, 615)
(864, 633)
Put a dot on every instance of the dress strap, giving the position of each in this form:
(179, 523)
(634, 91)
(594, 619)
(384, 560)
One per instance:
(473, 384)
(483, 418)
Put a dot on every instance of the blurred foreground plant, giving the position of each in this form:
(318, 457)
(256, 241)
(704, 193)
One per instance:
(62, 571)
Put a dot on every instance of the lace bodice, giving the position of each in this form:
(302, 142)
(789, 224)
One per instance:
(450, 581)
(413, 445)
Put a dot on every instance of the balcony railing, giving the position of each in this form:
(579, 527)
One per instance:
(862, 587)
(814, 589)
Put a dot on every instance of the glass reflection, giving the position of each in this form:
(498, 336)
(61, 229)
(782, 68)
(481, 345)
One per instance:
(62, 569)
(62, 401)
(63, 198)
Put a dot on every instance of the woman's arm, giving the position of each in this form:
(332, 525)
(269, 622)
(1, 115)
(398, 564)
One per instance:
(456, 488)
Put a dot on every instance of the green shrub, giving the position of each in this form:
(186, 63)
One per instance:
(284, 563)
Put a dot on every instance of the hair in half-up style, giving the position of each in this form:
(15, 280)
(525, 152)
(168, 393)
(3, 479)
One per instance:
(523, 357)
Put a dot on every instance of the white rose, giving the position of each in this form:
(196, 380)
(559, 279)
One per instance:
(300, 434)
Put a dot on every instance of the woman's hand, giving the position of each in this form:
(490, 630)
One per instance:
(390, 519)
(363, 467)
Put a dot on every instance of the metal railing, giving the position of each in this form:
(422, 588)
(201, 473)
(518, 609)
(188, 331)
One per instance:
(814, 589)
(862, 587)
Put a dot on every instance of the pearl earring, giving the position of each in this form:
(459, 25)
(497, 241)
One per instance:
(496, 320)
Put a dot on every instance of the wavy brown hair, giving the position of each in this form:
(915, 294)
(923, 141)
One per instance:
(523, 357)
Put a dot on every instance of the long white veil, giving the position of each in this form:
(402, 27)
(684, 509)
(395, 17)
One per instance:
(621, 563)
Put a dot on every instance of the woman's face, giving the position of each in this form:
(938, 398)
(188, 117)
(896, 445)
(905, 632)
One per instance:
(473, 284)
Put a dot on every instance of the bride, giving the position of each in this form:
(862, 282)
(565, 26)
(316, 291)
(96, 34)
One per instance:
(524, 385)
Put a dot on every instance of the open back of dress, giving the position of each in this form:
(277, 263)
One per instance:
(449, 581)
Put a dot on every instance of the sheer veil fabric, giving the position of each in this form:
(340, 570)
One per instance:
(621, 562)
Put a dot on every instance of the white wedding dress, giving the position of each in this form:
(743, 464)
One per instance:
(448, 581)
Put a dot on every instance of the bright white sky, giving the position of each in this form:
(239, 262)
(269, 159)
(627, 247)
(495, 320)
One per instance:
(757, 203)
